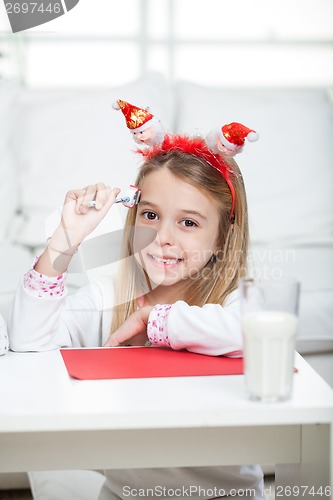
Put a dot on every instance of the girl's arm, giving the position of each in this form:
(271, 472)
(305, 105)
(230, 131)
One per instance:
(77, 222)
(44, 322)
(42, 317)
(211, 329)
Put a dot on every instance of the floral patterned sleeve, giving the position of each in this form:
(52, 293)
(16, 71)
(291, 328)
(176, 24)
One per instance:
(41, 286)
(157, 325)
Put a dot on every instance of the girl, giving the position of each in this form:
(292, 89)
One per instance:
(179, 290)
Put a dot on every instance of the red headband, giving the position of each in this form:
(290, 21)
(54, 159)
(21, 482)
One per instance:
(195, 146)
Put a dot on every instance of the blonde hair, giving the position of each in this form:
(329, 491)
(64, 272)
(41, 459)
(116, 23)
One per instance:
(219, 277)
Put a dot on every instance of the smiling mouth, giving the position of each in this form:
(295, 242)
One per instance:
(166, 262)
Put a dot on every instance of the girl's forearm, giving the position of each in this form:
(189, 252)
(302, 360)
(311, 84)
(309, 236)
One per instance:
(58, 253)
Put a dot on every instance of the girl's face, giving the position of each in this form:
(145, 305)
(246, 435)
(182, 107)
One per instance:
(186, 222)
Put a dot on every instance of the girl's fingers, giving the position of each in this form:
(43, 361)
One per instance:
(73, 197)
(101, 195)
(112, 342)
(135, 327)
(123, 334)
(89, 195)
(106, 197)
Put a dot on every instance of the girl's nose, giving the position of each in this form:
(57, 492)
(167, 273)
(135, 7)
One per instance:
(165, 234)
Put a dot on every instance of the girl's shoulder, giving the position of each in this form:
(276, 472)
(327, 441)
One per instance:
(232, 299)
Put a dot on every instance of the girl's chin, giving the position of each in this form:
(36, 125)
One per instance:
(161, 277)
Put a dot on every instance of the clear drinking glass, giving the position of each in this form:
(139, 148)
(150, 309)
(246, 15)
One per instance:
(269, 311)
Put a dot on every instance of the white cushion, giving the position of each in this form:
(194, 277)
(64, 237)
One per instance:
(67, 139)
(66, 485)
(288, 172)
(15, 262)
(8, 185)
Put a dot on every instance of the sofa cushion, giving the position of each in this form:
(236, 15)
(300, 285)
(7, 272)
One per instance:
(67, 139)
(288, 172)
(313, 267)
(15, 261)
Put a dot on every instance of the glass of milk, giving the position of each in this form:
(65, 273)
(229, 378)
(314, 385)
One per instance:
(269, 325)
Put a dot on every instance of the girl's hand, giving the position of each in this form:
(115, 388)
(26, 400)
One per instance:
(77, 220)
(133, 331)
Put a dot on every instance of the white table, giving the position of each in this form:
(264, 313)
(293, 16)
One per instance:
(49, 421)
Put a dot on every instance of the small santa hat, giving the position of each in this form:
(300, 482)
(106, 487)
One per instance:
(137, 119)
(234, 134)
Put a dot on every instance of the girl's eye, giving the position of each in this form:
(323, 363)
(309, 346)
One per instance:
(149, 215)
(189, 223)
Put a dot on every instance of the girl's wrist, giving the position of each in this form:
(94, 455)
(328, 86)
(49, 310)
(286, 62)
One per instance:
(60, 249)
(65, 241)
(157, 331)
(145, 312)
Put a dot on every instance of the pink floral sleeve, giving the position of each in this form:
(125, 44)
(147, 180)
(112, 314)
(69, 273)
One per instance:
(157, 325)
(41, 286)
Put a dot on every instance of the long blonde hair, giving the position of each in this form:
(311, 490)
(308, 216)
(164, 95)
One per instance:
(219, 277)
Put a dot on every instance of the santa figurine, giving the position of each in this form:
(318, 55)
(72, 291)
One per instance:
(229, 140)
(145, 128)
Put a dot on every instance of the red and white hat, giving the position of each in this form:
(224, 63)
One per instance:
(234, 134)
(137, 119)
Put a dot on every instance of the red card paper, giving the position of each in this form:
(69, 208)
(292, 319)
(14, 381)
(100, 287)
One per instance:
(144, 362)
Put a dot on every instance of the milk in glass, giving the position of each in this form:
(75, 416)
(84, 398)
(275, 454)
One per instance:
(269, 347)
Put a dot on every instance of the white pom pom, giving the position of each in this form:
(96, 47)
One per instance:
(115, 105)
(211, 139)
(252, 136)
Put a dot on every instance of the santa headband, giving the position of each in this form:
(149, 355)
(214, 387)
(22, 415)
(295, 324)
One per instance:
(219, 143)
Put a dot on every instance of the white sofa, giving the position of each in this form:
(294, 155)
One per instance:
(52, 140)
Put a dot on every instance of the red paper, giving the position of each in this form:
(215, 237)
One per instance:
(144, 362)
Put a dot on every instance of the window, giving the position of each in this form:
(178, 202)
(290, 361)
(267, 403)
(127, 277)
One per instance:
(217, 42)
